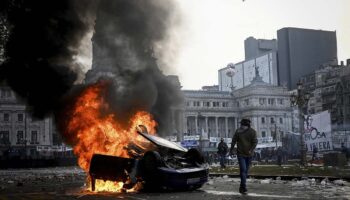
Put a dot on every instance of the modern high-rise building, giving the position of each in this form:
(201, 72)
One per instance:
(261, 55)
(302, 51)
(257, 47)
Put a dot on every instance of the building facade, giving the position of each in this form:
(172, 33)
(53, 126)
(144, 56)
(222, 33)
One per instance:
(267, 106)
(216, 114)
(209, 114)
(342, 114)
(244, 72)
(326, 86)
(302, 51)
(20, 133)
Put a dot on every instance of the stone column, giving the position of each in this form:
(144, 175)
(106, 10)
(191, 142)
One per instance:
(226, 127)
(182, 126)
(196, 123)
(206, 125)
(217, 126)
(185, 119)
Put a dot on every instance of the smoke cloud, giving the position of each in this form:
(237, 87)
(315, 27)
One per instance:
(41, 49)
(125, 35)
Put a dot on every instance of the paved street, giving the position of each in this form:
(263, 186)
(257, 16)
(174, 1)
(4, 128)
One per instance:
(68, 183)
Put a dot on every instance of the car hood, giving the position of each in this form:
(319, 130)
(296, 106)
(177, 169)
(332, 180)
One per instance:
(161, 142)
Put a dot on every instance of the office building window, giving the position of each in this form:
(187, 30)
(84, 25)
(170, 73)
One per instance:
(6, 117)
(263, 120)
(215, 104)
(196, 103)
(20, 117)
(280, 101)
(246, 102)
(262, 101)
(272, 120)
(4, 137)
(34, 137)
(263, 134)
(281, 120)
(19, 137)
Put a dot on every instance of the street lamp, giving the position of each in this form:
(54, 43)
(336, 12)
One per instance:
(274, 130)
(301, 99)
(199, 116)
(230, 73)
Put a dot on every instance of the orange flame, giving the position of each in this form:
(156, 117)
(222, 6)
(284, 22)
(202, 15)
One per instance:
(111, 186)
(94, 132)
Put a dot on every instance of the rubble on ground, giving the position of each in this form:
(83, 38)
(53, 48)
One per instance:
(21, 177)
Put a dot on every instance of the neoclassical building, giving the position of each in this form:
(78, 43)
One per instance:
(214, 114)
(207, 113)
(20, 133)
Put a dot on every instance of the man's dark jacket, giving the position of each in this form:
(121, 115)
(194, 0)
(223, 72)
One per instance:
(246, 141)
(222, 148)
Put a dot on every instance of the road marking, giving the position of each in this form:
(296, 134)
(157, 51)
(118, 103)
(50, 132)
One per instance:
(250, 194)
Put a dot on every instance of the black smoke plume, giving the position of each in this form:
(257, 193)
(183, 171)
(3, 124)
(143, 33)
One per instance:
(43, 43)
(41, 47)
(125, 34)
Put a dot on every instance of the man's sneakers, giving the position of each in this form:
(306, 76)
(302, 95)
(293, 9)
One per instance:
(243, 190)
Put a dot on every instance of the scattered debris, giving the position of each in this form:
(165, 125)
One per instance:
(312, 182)
(265, 181)
(301, 183)
(211, 182)
(339, 182)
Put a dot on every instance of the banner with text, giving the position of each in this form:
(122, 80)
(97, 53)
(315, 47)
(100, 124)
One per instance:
(318, 132)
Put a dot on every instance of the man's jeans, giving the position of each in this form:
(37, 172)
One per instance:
(244, 163)
(222, 160)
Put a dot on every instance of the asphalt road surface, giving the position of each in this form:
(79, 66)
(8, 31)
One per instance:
(69, 183)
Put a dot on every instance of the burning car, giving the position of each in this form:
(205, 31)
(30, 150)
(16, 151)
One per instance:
(162, 165)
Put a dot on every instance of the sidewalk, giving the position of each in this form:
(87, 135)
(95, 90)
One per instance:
(286, 172)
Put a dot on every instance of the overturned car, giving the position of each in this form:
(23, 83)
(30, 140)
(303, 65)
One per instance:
(166, 165)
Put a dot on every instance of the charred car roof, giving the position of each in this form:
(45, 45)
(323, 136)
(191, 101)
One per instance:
(158, 141)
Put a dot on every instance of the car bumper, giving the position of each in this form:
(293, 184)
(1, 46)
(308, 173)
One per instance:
(185, 178)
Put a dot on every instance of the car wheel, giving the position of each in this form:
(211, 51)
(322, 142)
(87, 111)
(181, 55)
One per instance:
(194, 156)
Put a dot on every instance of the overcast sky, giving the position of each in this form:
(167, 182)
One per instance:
(212, 32)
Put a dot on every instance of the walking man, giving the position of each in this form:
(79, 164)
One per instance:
(246, 140)
(222, 151)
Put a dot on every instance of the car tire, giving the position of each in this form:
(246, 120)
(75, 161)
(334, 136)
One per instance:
(194, 156)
